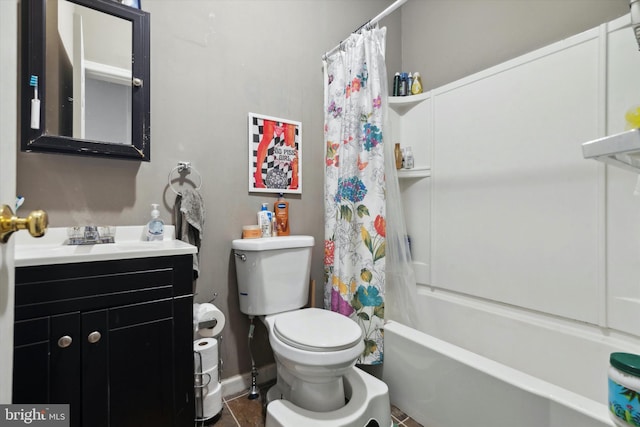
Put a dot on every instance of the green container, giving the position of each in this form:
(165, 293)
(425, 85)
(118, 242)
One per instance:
(624, 389)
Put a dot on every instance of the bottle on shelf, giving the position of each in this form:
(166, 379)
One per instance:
(409, 83)
(398, 154)
(416, 86)
(402, 91)
(408, 158)
(396, 84)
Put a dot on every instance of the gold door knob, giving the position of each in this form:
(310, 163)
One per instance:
(36, 223)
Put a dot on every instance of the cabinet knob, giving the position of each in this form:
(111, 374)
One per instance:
(65, 341)
(94, 337)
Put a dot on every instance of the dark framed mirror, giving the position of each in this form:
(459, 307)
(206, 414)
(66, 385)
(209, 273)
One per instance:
(85, 78)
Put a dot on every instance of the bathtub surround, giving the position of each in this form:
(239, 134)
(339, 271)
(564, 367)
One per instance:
(533, 249)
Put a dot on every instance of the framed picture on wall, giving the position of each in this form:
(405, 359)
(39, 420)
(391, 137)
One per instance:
(275, 155)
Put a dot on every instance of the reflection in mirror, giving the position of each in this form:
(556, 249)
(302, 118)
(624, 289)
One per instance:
(89, 54)
(88, 60)
(90, 87)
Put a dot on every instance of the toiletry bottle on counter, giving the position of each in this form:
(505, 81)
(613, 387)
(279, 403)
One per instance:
(155, 227)
(281, 212)
(264, 221)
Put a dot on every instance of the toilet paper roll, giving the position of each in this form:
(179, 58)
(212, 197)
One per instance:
(212, 404)
(213, 374)
(196, 311)
(207, 349)
(207, 312)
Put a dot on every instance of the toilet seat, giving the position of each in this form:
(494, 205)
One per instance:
(317, 330)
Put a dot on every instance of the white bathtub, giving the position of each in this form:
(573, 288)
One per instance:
(535, 371)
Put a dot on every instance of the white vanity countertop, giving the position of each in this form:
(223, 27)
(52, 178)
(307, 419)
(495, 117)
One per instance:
(52, 248)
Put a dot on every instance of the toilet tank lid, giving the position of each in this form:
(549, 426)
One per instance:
(270, 243)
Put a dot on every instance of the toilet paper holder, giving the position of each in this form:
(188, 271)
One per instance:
(201, 380)
(208, 324)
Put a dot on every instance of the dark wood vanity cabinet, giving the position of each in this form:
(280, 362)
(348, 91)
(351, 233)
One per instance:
(111, 338)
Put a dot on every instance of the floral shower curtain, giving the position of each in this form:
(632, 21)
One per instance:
(355, 212)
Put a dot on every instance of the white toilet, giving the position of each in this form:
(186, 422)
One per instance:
(315, 350)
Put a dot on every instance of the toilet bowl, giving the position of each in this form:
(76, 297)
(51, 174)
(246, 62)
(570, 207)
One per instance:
(313, 349)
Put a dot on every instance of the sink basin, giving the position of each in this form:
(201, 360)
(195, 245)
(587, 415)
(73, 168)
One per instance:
(52, 247)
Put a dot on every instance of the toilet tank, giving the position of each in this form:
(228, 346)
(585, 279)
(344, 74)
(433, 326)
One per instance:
(273, 273)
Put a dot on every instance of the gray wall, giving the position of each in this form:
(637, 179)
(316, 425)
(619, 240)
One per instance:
(213, 61)
(446, 40)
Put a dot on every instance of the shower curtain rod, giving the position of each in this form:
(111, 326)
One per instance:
(370, 23)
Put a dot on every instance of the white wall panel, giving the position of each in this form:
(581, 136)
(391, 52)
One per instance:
(412, 126)
(515, 206)
(623, 208)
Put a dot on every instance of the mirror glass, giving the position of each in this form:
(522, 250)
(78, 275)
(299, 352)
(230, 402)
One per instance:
(88, 58)
(85, 78)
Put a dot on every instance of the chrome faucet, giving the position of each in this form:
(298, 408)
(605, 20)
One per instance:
(91, 234)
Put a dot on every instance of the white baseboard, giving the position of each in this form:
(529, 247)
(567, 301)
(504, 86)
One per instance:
(242, 382)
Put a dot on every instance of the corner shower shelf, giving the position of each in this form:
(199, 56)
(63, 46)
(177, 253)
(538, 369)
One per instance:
(402, 104)
(621, 150)
(419, 172)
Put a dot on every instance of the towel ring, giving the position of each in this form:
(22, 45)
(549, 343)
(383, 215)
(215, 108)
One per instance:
(184, 168)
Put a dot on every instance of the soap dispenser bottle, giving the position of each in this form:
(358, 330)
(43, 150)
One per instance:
(155, 227)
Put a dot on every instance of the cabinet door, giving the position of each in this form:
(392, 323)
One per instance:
(65, 350)
(141, 365)
(31, 361)
(183, 348)
(46, 360)
(95, 369)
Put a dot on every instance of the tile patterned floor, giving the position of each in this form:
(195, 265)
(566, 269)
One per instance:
(239, 411)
